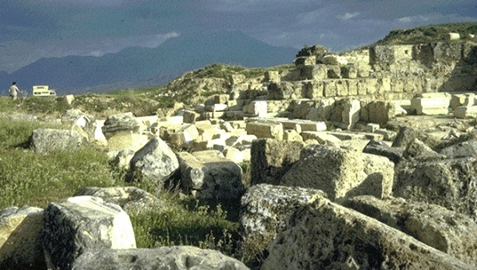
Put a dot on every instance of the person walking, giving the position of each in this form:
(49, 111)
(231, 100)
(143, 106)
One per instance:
(14, 91)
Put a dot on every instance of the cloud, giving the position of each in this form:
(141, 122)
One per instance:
(348, 16)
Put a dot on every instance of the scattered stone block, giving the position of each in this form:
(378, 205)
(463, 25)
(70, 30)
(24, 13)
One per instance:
(257, 108)
(47, 140)
(341, 173)
(125, 122)
(208, 176)
(265, 130)
(292, 135)
(233, 154)
(80, 224)
(154, 162)
(437, 104)
(190, 117)
(184, 136)
(221, 99)
(320, 136)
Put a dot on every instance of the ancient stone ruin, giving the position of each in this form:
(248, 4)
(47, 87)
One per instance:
(363, 160)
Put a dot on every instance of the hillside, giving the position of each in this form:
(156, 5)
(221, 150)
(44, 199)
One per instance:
(429, 33)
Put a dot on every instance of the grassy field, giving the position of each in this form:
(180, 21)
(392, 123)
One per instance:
(29, 179)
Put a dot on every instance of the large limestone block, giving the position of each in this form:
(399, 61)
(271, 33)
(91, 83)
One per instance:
(447, 231)
(450, 183)
(81, 224)
(120, 123)
(272, 130)
(184, 136)
(162, 258)
(314, 72)
(350, 113)
(380, 112)
(467, 99)
(431, 105)
(154, 162)
(284, 90)
(20, 238)
(324, 235)
(321, 137)
(271, 159)
(233, 154)
(264, 212)
(207, 176)
(128, 198)
(341, 173)
(48, 140)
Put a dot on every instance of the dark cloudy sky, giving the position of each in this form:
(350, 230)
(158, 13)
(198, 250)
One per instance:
(31, 29)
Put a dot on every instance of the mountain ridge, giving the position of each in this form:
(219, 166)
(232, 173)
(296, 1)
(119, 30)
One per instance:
(135, 67)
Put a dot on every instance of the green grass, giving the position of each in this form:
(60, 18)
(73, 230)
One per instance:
(29, 179)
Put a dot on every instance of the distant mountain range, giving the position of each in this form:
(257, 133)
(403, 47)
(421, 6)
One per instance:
(137, 67)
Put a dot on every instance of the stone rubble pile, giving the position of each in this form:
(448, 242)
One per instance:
(365, 160)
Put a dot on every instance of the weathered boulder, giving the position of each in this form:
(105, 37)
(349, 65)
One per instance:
(340, 172)
(264, 211)
(162, 258)
(20, 238)
(120, 123)
(447, 231)
(382, 149)
(208, 176)
(154, 162)
(53, 140)
(381, 111)
(81, 224)
(128, 198)
(324, 235)
(450, 183)
(271, 159)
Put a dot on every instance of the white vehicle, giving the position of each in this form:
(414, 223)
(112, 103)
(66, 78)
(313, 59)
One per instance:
(43, 91)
